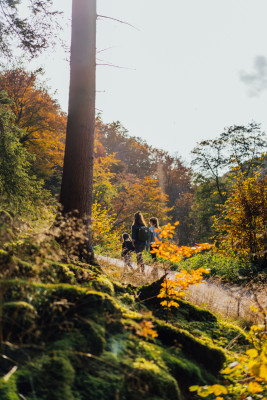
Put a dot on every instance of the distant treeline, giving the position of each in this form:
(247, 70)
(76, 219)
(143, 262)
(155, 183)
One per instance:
(129, 174)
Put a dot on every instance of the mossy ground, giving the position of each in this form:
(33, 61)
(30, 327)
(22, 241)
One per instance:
(74, 334)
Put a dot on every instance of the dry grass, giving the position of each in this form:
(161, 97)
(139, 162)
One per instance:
(230, 302)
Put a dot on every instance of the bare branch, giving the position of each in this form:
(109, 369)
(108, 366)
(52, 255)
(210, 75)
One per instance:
(108, 48)
(117, 66)
(118, 20)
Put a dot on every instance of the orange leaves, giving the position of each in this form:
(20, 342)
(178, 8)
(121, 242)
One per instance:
(146, 330)
(176, 289)
(133, 192)
(40, 117)
(171, 251)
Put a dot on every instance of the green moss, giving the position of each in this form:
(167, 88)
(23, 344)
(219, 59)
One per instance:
(186, 311)
(89, 338)
(25, 269)
(82, 336)
(185, 371)
(103, 284)
(4, 257)
(127, 299)
(57, 272)
(193, 313)
(220, 333)
(19, 320)
(8, 390)
(100, 388)
(48, 378)
(211, 357)
(147, 380)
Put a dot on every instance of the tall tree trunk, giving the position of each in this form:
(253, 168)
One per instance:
(77, 180)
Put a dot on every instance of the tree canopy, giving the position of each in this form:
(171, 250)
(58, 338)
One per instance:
(28, 25)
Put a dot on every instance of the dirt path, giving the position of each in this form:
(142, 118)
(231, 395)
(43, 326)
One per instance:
(230, 301)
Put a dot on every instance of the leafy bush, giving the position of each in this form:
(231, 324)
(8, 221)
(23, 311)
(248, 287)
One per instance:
(227, 268)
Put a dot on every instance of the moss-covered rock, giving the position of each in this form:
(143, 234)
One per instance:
(211, 357)
(147, 294)
(76, 335)
(149, 381)
(48, 378)
(19, 320)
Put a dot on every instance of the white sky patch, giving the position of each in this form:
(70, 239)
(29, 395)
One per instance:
(183, 85)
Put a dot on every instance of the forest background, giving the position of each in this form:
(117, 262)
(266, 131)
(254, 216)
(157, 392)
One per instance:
(227, 177)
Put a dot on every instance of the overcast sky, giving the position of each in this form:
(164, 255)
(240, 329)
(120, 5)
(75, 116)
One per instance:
(193, 67)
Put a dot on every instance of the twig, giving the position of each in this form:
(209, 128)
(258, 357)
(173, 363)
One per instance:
(117, 66)
(10, 373)
(118, 20)
(232, 341)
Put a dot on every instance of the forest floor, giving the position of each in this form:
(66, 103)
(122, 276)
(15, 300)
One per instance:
(231, 302)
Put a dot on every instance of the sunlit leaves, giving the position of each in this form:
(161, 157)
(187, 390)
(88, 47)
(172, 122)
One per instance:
(39, 115)
(146, 330)
(175, 289)
(242, 224)
(245, 377)
(169, 250)
(103, 233)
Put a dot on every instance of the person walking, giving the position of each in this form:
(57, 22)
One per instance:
(155, 232)
(126, 252)
(140, 238)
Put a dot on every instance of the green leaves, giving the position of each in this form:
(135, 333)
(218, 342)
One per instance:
(33, 33)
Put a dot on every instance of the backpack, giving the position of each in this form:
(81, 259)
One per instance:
(143, 234)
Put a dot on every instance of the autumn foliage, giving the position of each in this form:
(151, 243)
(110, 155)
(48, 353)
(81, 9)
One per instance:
(242, 225)
(176, 289)
(244, 377)
(169, 250)
(39, 116)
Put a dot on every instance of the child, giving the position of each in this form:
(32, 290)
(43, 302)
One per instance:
(126, 251)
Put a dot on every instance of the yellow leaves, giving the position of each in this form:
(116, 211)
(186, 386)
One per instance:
(256, 328)
(205, 391)
(175, 289)
(263, 372)
(254, 309)
(254, 387)
(219, 389)
(102, 228)
(247, 376)
(252, 353)
(169, 304)
(242, 223)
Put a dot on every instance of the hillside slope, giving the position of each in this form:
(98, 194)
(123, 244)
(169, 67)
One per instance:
(68, 332)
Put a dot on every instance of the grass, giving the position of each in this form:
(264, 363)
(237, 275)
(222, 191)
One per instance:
(231, 302)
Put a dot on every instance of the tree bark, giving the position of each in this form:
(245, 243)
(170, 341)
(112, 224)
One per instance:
(77, 180)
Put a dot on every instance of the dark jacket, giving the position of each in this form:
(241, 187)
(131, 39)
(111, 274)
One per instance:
(135, 230)
(127, 247)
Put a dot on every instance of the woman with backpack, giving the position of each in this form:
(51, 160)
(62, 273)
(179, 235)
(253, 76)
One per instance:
(140, 238)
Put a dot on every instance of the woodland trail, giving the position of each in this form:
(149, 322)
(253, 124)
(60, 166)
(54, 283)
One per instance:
(231, 302)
